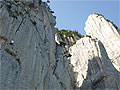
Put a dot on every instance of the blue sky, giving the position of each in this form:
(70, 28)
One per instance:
(72, 14)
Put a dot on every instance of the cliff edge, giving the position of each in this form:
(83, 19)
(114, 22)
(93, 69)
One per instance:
(31, 59)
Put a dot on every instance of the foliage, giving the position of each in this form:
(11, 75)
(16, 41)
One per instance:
(88, 36)
(3, 38)
(108, 20)
(34, 22)
(73, 43)
(99, 14)
(91, 38)
(112, 23)
(9, 5)
(18, 12)
(94, 40)
(31, 5)
(14, 15)
(68, 33)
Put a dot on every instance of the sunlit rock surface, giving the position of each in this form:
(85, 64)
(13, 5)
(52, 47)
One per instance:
(33, 61)
(30, 59)
(93, 66)
(102, 29)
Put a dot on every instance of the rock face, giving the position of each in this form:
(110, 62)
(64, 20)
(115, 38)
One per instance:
(91, 58)
(66, 39)
(33, 61)
(93, 66)
(105, 31)
(30, 59)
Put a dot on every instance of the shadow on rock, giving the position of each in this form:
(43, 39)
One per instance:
(101, 73)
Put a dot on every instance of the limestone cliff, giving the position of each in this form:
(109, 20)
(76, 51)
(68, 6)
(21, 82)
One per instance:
(93, 66)
(95, 57)
(102, 29)
(30, 59)
(66, 39)
(33, 61)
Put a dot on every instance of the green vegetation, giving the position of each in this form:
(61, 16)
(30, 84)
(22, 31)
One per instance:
(73, 43)
(9, 5)
(112, 23)
(16, 1)
(62, 43)
(94, 40)
(68, 33)
(16, 72)
(3, 38)
(31, 5)
(14, 15)
(18, 12)
(88, 36)
(64, 34)
(54, 17)
(99, 14)
(91, 38)
(107, 20)
(34, 22)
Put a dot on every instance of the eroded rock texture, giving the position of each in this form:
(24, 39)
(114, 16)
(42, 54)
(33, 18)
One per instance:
(102, 29)
(33, 61)
(30, 59)
(93, 66)
(95, 58)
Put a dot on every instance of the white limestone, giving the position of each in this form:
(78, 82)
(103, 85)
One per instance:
(36, 62)
(102, 29)
(92, 65)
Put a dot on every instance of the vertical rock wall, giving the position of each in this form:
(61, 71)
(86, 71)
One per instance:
(93, 66)
(102, 29)
(30, 59)
(33, 61)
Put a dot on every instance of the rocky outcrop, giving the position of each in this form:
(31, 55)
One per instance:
(66, 39)
(93, 66)
(102, 29)
(90, 56)
(95, 58)
(29, 56)
(30, 59)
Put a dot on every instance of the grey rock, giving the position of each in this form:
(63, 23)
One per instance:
(33, 61)
(36, 62)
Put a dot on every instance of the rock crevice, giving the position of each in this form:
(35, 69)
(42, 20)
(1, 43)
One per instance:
(35, 61)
